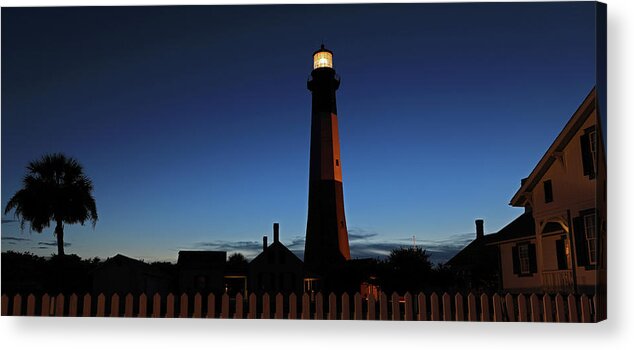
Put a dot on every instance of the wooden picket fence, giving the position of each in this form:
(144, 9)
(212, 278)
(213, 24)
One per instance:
(421, 307)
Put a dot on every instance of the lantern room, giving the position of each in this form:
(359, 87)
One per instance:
(322, 58)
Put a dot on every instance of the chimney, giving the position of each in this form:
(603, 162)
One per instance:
(265, 243)
(479, 228)
(276, 232)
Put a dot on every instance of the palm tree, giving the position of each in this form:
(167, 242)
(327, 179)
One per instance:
(56, 189)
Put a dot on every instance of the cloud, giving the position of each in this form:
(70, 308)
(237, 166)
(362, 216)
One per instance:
(357, 233)
(4, 221)
(15, 239)
(51, 244)
(440, 250)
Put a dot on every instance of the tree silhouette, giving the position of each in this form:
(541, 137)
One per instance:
(55, 189)
(406, 270)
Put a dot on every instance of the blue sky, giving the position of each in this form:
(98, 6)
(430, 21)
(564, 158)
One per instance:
(194, 122)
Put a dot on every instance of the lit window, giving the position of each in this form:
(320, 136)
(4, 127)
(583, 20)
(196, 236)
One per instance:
(525, 265)
(591, 237)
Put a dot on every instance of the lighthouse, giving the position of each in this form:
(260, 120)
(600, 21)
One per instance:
(326, 231)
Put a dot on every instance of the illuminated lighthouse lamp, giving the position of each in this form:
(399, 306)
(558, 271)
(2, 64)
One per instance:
(322, 58)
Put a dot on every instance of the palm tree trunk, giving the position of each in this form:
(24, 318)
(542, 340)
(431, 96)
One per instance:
(59, 232)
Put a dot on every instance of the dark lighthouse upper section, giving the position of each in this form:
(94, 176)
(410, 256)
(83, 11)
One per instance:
(326, 231)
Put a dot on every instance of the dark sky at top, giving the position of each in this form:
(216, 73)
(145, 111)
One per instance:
(194, 122)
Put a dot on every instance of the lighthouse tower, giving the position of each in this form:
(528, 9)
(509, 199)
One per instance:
(326, 231)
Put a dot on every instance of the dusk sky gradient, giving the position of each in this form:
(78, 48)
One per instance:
(194, 122)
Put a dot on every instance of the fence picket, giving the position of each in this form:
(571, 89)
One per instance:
(510, 307)
(86, 309)
(371, 312)
(46, 305)
(446, 307)
(383, 307)
(129, 305)
(142, 305)
(345, 306)
(585, 309)
(156, 305)
(224, 308)
(560, 309)
(471, 307)
(319, 306)
(253, 307)
(239, 307)
(521, 308)
(572, 309)
(484, 304)
(72, 307)
(279, 306)
(101, 305)
(59, 305)
(409, 307)
(548, 308)
(266, 306)
(292, 306)
(17, 305)
(422, 307)
(169, 308)
(459, 307)
(5, 305)
(497, 308)
(198, 306)
(30, 305)
(184, 306)
(305, 306)
(535, 308)
(396, 307)
(114, 305)
(211, 305)
(435, 314)
(332, 306)
(358, 307)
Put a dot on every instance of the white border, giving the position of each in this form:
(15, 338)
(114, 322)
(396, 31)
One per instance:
(109, 334)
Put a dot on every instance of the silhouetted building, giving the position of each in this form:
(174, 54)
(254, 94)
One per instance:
(326, 230)
(201, 272)
(121, 274)
(276, 269)
(476, 265)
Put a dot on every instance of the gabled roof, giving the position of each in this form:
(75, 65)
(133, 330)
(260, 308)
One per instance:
(276, 246)
(562, 140)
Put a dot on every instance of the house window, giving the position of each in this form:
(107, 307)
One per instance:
(524, 259)
(548, 191)
(591, 237)
(589, 152)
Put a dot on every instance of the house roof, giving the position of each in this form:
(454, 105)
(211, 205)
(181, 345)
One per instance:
(479, 248)
(562, 140)
(472, 254)
(522, 227)
(273, 247)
